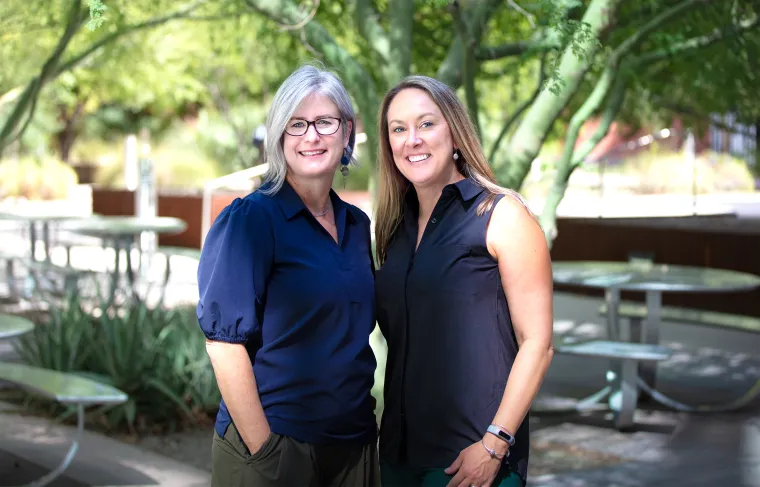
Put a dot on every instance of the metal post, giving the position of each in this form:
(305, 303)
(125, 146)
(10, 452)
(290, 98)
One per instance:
(691, 158)
(146, 203)
(651, 334)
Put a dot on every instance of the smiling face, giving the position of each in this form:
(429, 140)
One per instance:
(313, 155)
(420, 139)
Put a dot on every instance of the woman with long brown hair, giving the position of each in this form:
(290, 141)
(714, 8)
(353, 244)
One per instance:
(464, 299)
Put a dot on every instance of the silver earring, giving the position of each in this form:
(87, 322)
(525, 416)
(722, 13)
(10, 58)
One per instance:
(456, 155)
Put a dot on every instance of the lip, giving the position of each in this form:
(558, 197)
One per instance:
(425, 155)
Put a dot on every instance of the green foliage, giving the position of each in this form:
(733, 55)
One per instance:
(156, 356)
(176, 167)
(654, 172)
(97, 11)
(34, 178)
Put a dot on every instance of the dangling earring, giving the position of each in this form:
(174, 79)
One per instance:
(344, 160)
(456, 154)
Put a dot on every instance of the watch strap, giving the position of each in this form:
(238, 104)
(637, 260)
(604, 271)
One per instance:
(501, 434)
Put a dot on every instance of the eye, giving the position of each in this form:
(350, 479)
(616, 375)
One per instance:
(397, 130)
(297, 124)
(325, 121)
(426, 124)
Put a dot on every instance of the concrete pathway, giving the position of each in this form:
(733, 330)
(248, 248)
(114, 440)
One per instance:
(32, 446)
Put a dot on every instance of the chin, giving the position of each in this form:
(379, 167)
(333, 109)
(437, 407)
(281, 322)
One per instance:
(421, 178)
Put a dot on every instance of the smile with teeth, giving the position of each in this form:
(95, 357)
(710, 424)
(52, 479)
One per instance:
(418, 158)
(312, 152)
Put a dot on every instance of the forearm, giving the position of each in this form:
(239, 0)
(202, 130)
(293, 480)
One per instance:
(527, 374)
(237, 383)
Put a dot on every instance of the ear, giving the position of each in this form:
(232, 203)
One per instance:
(347, 134)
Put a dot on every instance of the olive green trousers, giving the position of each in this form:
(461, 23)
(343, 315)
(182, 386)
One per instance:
(284, 462)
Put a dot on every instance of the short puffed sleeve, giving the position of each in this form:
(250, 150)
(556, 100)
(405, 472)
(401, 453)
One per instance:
(235, 263)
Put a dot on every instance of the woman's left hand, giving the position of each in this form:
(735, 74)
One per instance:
(473, 467)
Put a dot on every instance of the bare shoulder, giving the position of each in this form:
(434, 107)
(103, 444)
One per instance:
(513, 229)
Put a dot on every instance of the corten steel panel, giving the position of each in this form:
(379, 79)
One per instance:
(220, 200)
(187, 207)
(586, 239)
(113, 202)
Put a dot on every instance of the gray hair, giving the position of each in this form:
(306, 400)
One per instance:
(306, 80)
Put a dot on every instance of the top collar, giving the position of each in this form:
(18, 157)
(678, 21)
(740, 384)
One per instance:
(468, 188)
(291, 204)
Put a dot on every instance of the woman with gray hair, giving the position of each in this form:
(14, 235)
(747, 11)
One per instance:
(287, 306)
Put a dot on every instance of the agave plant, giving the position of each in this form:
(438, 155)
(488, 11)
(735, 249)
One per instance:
(156, 356)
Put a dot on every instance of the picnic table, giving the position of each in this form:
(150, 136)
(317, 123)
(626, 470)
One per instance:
(39, 221)
(120, 234)
(653, 280)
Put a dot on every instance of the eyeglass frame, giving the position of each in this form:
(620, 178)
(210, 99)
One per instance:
(309, 123)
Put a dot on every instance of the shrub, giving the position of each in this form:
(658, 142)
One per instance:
(44, 178)
(663, 172)
(157, 357)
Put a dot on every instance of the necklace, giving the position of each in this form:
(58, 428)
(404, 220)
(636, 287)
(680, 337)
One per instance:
(329, 205)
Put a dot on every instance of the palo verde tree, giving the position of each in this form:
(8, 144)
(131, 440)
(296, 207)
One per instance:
(586, 56)
(80, 34)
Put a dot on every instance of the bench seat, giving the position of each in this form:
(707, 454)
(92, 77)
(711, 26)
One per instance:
(638, 311)
(623, 379)
(67, 389)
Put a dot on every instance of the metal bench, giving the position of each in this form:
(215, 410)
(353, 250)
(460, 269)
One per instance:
(637, 313)
(57, 279)
(170, 251)
(67, 389)
(623, 380)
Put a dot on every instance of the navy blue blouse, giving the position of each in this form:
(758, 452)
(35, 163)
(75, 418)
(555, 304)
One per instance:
(272, 278)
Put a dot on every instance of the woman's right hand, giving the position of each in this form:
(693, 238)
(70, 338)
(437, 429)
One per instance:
(255, 444)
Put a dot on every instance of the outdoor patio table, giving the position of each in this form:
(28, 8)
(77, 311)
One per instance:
(120, 232)
(653, 280)
(39, 220)
(14, 326)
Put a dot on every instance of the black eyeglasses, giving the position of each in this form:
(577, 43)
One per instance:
(323, 126)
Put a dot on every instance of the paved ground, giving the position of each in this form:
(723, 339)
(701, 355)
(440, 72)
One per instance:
(667, 448)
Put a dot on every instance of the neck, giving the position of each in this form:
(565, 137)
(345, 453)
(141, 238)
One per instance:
(428, 195)
(315, 193)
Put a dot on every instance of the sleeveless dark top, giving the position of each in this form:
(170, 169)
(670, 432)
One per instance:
(451, 345)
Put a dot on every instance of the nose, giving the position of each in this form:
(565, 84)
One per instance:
(311, 133)
(412, 139)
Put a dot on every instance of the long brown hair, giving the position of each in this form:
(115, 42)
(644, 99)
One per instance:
(472, 161)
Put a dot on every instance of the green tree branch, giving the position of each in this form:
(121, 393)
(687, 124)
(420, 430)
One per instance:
(27, 102)
(527, 140)
(469, 66)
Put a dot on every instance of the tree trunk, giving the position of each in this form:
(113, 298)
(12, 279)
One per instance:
(68, 135)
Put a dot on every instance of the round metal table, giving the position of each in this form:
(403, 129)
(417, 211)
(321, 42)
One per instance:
(120, 233)
(653, 280)
(39, 220)
(12, 326)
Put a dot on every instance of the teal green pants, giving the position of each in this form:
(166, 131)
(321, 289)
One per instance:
(400, 476)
